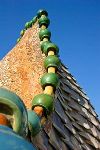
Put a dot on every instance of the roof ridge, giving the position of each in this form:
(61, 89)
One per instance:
(28, 25)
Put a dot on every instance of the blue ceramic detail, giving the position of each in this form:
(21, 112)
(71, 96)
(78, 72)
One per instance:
(34, 122)
(9, 140)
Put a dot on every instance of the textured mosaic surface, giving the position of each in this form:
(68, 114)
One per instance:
(22, 67)
(74, 124)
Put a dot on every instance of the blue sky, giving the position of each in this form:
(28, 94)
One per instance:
(75, 28)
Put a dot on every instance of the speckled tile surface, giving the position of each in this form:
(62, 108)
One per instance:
(22, 67)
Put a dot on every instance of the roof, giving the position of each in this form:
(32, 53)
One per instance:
(74, 124)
